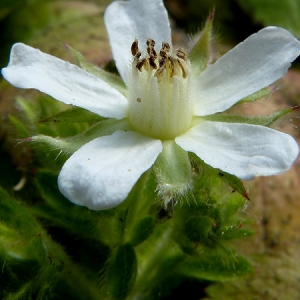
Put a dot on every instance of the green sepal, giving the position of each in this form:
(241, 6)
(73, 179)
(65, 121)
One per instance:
(75, 114)
(142, 230)
(19, 127)
(122, 271)
(263, 120)
(29, 108)
(200, 54)
(255, 96)
(218, 265)
(235, 183)
(198, 228)
(235, 232)
(173, 172)
(158, 258)
(71, 144)
(112, 79)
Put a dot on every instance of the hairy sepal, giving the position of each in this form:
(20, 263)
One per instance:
(71, 144)
(76, 115)
(173, 172)
(256, 96)
(200, 54)
(263, 120)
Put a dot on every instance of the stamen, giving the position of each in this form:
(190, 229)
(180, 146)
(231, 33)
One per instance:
(159, 71)
(135, 47)
(140, 64)
(171, 66)
(152, 62)
(166, 47)
(175, 64)
(160, 103)
(181, 54)
(150, 43)
(183, 66)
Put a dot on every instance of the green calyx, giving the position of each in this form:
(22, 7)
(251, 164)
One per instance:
(173, 172)
(70, 144)
(263, 120)
(200, 54)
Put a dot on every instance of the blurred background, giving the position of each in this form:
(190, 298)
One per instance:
(274, 205)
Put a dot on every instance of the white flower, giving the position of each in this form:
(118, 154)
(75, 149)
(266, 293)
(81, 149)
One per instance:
(164, 98)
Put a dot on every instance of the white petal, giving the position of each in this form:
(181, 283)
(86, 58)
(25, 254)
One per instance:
(101, 173)
(31, 68)
(135, 19)
(241, 149)
(260, 60)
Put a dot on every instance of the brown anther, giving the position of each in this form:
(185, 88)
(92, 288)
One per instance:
(150, 43)
(181, 54)
(162, 58)
(135, 47)
(138, 54)
(152, 63)
(152, 52)
(140, 64)
(139, 100)
(165, 47)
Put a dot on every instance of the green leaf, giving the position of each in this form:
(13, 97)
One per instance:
(280, 13)
(29, 108)
(19, 126)
(99, 226)
(122, 272)
(216, 266)
(142, 230)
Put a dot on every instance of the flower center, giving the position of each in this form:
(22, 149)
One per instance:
(160, 105)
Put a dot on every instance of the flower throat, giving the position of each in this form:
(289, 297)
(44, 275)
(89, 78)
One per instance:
(159, 91)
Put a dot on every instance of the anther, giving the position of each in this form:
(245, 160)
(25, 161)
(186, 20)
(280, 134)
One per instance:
(152, 62)
(162, 58)
(181, 54)
(165, 47)
(135, 48)
(150, 43)
(140, 64)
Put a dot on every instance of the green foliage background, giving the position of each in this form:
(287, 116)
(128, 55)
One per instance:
(51, 249)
